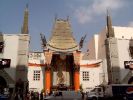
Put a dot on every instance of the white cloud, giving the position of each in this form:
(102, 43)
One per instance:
(130, 24)
(85, 14)
(82, 15)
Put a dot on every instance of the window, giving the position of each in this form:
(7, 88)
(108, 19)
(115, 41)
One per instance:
(85, 75)
(37, 55)
(36, 75)
(30, 55)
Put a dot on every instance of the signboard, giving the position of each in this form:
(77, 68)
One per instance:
(128, 64)
(5, 63)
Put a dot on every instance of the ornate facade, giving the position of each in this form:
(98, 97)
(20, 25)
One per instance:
(62, 58)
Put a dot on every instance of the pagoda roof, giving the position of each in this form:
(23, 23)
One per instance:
(62, 39)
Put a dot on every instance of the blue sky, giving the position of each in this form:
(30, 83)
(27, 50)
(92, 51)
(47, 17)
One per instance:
(86, 16)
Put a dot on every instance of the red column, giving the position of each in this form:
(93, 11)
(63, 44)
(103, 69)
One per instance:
(76, 81)
(76, 55)
(47, 80)
(76, 78)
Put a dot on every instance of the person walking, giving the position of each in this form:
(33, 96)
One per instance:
(41, 96)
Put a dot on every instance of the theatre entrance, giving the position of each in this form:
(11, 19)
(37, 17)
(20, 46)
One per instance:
(62, 58)
(62, 71)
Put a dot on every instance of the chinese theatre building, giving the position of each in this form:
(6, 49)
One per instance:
(62, 58)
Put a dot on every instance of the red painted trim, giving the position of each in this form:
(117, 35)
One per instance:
(36, 65)
(84, 65)
(90, 65)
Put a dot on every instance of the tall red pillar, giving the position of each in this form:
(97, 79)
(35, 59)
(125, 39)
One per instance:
(76, 70)
(47, 79)
(76, 78)
(47, 73)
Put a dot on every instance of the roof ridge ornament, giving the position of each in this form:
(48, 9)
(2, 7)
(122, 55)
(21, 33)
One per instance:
(44, 41)
(82, 41)
(56, 17)
(27, 6)
(68, 18)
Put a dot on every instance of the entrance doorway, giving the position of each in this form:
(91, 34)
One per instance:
(3, 84)
(62, 71)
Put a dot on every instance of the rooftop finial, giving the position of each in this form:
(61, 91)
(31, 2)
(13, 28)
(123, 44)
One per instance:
(56, 17)
(67, 18)
(27, 5)
(108, 12)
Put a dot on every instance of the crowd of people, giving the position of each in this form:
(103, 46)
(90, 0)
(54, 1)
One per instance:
(21, 92)
(34, 96)
(31, 95)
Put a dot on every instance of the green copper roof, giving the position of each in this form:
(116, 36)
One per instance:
(62, 39)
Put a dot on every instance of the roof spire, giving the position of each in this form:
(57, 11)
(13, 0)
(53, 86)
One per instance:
(24, 29)
(110, 30)
(67, 18)
(56, 16)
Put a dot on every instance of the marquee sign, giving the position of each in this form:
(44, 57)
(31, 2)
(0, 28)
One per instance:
(128, 64)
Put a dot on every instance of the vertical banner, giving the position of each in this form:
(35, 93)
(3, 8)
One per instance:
(76, 55)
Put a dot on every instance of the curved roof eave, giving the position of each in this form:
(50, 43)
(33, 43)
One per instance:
(63, 50)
